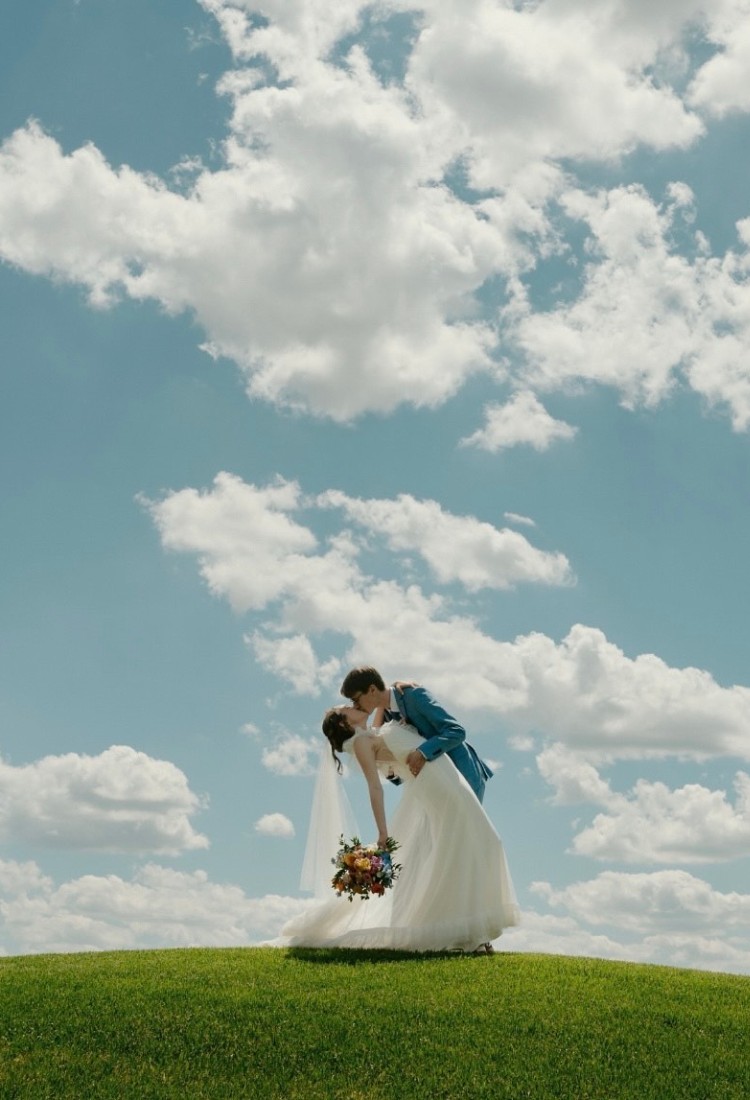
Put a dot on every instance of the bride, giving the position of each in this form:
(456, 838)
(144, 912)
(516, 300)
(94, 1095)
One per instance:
(454, 890)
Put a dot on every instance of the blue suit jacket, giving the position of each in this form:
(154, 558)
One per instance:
(442, 733)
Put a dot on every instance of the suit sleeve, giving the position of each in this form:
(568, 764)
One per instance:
(446, 733)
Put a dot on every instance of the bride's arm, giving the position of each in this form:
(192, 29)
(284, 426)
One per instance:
(364, 750)
(378, 716)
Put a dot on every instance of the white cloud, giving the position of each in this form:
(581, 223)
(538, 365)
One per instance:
(657, 825)
(292, 755)
(158, 907)
(294, 660)
(564, 935)
(455, 547)
(635, 284)
(648, 316)
(328, 592)
(549, 81)
(721, 84)
(121, 800)
(660, 902)
(521, 742)
(717, 952)
(274, 825)
(324, 259)
(17, 878)
(240, 533)
(295, 35)
(327, 256)
(551, 934)
(671, 918)
(522, 420)
(586, 693)
(574, 779)
(522, 521)
(652, 823)
(582, 691)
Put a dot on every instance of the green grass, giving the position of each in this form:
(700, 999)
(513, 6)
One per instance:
(335, 1024)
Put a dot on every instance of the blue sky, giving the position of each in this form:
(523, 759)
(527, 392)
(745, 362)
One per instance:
(412, 335)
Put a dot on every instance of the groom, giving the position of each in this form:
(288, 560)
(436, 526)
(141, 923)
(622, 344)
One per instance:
(442, 733)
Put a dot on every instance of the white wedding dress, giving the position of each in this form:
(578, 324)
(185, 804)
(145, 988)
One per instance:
(454, 890)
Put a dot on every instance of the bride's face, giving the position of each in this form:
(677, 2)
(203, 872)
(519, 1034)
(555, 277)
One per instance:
(356, 718)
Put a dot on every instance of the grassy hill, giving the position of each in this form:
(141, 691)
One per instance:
(312, 1024)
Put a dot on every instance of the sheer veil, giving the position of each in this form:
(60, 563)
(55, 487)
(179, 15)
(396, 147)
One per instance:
(330, 816)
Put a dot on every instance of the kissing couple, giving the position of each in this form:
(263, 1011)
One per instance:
(454, 891)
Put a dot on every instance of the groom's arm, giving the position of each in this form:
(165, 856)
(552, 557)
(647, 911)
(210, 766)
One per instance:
(448, 733)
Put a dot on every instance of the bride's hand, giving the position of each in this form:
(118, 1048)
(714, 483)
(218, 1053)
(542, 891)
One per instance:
(382, 840)
(401, 684)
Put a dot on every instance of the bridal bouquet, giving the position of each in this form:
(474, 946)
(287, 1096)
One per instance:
(364, 870)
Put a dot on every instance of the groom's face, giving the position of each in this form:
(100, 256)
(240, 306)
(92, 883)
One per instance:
(366, 701)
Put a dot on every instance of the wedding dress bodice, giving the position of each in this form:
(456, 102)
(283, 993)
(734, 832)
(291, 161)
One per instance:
(400, 738)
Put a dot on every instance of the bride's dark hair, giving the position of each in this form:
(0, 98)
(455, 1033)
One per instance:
(337, 729)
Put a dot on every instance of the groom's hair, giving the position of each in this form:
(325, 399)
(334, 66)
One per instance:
(359, 680)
